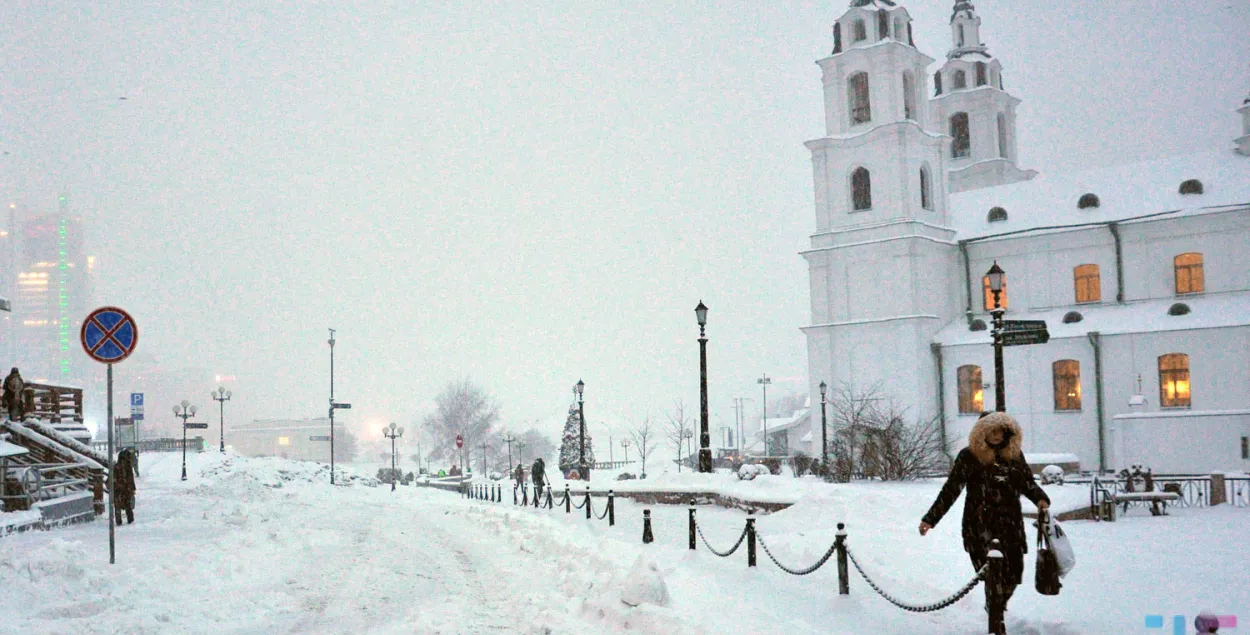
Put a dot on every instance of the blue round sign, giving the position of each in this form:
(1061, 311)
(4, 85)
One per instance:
(109, 335)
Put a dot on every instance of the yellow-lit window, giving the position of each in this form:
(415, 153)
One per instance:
(1189, 277)
(1067, 379)
(284, 441)
(971, 393)
(989, 295)
(1174, 380)
(1088, 284)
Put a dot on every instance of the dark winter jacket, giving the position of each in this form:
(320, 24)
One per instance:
(124, 484)
(519, 474)
(995, 480)
(536, 471)
(13, 388)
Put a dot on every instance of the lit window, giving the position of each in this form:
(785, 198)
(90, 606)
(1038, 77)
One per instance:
(1088, 284)
(1174, 380)
(857, 95)
(989, 295)
(1189, 278)
(1067, 381)
(861, 189)
(284, 441)
(971, 392)
(962, 144)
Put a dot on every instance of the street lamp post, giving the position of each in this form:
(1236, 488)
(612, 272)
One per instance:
(995, 275)
(509, 439)
(764, 382)
(582, 470)
(184, 411)
(625, 444)
(824, 440)
(520, 452)
(331, 406)
(705, 440)
(393, 433)
(221, 396)
(686, 435)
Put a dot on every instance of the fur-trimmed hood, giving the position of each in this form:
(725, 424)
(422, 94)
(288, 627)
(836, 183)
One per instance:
(981, 449)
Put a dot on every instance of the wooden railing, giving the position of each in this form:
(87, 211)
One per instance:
(52, 403)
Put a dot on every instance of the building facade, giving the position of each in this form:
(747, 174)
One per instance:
(1141, 272)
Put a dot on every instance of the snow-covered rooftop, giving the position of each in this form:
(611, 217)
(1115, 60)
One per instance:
(1124, 192)
(1213, 310)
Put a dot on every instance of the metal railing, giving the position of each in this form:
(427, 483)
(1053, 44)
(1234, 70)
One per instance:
(1194, 489)
(161, 444)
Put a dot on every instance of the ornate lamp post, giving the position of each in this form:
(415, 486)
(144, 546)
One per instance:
(221, 396)
(184, 411)
(824, 440)
(764, 382)
(509, 440)
(581, 430)
(393, 433)
(995, 275)
(705, 441)
(625, 444)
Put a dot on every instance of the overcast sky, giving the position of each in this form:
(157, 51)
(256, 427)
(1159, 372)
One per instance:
(523, 193)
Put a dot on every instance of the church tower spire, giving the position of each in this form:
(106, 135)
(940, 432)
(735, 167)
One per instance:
(970, 105)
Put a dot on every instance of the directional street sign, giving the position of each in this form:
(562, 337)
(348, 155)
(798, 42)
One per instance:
(342, 406)
(321, 437)
(109, 335)
(1024, 325)
(197, 426)
(136, 406)
(1025, 338)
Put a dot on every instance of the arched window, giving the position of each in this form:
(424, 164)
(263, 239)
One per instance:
(900, 29)
(1174, 380)
(1191, 186)
(962, 144)
(861, 189)
(1189, 278)
(1087, 200)
(1067, 381)
(857, 95)
(861, 32)
(926, 200)
(981, 73)
(958, 80)
(837, 38)
(909, 96)
(996, 215)
(971, 392)
(1088, 284)
(937, 84)
(989, 295)
(1002, 135)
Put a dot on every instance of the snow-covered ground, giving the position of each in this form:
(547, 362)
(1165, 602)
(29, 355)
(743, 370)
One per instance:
(268, 546)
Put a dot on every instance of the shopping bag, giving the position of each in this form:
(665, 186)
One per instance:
(1046, 576)
(1061, 547)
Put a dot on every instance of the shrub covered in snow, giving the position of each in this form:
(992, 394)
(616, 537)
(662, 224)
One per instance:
(749, 471)
(1052, 475)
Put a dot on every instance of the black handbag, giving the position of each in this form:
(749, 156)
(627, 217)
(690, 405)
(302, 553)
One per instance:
(1046, 577)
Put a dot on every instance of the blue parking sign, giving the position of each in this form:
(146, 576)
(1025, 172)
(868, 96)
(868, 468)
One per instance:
(136, 406)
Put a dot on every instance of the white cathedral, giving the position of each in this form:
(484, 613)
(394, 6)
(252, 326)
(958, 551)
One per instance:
(1141, 272)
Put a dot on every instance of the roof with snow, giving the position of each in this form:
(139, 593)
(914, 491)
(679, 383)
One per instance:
(1124, 192)
(1207, 310)
(10, 449)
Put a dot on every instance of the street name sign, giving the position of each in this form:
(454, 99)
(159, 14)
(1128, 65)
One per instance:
(1024, 325)
(1025, 338)
(319, 437)
(197, 426)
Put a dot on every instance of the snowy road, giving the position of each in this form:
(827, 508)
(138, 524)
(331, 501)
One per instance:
(268, 546)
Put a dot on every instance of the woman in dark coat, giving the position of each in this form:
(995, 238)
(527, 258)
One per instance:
(124, 486)
(993, 470)
(536, 472)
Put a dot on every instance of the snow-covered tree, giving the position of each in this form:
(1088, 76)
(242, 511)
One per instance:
(570, 443)
(462, 408)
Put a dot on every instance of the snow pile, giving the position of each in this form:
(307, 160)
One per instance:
(253, 473)
(644, 584)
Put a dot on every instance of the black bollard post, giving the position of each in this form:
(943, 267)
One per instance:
(647, 538)
(587, 502)
(993, 588)
(549, 504)
(692, 527)
(525, 495)
(844, 578)
(750, 541)
(611, 509)
(514, 496)
(568, 501)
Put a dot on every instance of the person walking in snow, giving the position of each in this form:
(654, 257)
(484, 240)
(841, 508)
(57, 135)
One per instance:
(993, 470)
(536, 473)
(13, 389)
(124, 485)
(518, 474)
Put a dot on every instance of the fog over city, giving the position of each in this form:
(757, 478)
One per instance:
(522, 195)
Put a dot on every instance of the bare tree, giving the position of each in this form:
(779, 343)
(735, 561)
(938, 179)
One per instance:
(643, 435)
(852, 414)
(462, 408)
(873, 439)
(909, 452)
(678, 428)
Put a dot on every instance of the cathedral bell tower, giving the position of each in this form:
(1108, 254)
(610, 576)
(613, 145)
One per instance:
(971, 107)
(883, 250)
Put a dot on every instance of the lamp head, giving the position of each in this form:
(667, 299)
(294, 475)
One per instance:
(193, 409)
(176, 411)
(823, 387)
(229, 394)
(213, 394)
(580, 386)
(401, 431)
(995, 274)
(392, 426)
(700, 312)
(185, 403)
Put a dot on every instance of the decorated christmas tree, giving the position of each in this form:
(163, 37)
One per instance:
(570, 443)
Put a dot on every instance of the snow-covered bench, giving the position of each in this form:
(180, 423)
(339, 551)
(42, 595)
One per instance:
(1154, 498)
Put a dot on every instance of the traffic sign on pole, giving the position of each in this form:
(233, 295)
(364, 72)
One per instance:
(1025, 338)
(109, 335)
(459, 441)
(136, 406)
(1024, 325)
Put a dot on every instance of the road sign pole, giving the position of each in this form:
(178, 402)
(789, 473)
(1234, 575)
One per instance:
(111, 511)
(332, 406)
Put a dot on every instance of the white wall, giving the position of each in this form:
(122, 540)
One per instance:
(1186, 443)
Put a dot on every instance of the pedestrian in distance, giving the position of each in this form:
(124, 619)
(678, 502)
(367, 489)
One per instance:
(14, 386)
(518, 474)
(124, 486)
(536, 473)
(993, 470)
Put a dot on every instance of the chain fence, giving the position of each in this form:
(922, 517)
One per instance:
(819, 563)
(920, 608)
(724, 554)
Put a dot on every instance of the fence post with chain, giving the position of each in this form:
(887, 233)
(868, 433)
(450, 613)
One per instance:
(750, 541)
(568, 500)
(611, 509)
(692, 525)
(514, 497)
(647, 537)
(525, 495)
(994, 585)
(548, 503)
(587, 501)
(844, 576)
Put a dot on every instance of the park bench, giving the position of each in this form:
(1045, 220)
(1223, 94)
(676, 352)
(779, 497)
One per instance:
(1158, 500)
